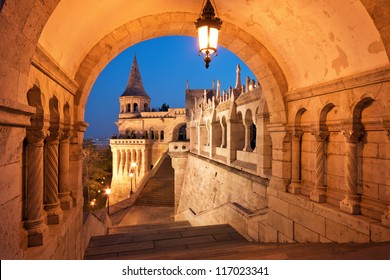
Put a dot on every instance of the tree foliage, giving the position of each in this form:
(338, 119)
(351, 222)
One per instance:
(164, 108)
(97, 172)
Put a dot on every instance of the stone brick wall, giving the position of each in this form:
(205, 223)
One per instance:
(213, 193)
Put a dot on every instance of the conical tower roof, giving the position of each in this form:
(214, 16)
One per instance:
(135, 86)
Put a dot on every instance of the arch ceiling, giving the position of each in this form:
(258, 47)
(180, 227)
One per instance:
(309, 41)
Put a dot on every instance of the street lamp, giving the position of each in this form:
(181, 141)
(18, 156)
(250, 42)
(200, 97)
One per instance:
(108, 191)
(131, 182)
(93, 203)
(208, 27)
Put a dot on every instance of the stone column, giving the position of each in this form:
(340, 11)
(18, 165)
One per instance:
(123, 162)
(295, 185)
(319, 192)
(232, 139)
(179, 163)
(247, 147)
(126, 163)
(64, 191)
(52, 205)
(223, 143)
(35, 224)
(351, 202)
(281, 157)
(200, 142)
(114, 161)
(214, 135)
(263, 145)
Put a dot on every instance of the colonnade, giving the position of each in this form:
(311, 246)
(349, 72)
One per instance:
(47, 186)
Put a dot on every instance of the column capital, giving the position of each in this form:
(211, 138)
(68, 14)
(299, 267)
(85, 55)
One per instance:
(353, 135)
(386, 126)
(66, 134)
(320, 134)
(37, 136)
(297, 134)
(54, 137)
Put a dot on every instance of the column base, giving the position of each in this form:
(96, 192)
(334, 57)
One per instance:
(66, 201)
(386, 218)
(37, 232)
(294, 187)
(351, 204)
(318, 194)
(54, 213)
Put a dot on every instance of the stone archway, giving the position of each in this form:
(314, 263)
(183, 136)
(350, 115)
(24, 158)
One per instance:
(245, 46)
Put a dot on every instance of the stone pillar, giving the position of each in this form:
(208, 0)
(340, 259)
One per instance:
(35, 223)
(351, 202)
(114, 162)
(247, 147)
(281, 157)
(295, 185)
(145, 159)
(200, 138)
(52, 203)
(179, 162)
(64, 191)
(319, 192)
(213, 138)
(232, 137)
(126, 163)
(223, 127)
(263, 145)
(123, 162)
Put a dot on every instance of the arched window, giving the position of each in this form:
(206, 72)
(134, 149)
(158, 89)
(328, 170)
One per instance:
(182, 133)
(162, 135)
(135, 107)
(252, 138)
(128, 107)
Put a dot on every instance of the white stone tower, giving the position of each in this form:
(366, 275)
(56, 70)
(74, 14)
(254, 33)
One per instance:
(134, 99)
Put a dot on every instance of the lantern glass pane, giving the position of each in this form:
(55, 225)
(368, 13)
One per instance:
(203, 38)
(213, 39)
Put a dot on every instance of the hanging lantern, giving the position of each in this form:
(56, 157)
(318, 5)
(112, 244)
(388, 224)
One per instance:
(208, 27)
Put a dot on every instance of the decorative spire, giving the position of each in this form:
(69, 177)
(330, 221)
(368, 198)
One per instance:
(135, 86)
(238, 76)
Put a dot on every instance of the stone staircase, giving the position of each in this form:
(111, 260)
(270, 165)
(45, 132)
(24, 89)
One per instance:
(159, 190)
(179, 240)
(160, 241)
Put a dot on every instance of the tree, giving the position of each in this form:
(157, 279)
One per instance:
(97, 172)
(164, 107)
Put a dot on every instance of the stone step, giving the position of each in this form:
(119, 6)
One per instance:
(178, 240)
(159, 190)
(159, 239)
(145, 227)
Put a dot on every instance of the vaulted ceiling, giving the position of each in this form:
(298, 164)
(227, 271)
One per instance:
(311, 41)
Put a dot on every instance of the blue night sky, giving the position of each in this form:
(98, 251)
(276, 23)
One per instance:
(165, 63)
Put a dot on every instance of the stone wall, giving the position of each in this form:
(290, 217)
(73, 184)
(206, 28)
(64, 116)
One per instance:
(213, 193)
(343, 167)
(330, 167)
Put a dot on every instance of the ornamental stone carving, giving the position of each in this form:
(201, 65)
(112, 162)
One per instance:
(319, 192)
(351, 203)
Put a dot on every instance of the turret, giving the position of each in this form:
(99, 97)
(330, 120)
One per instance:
(134, 99)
